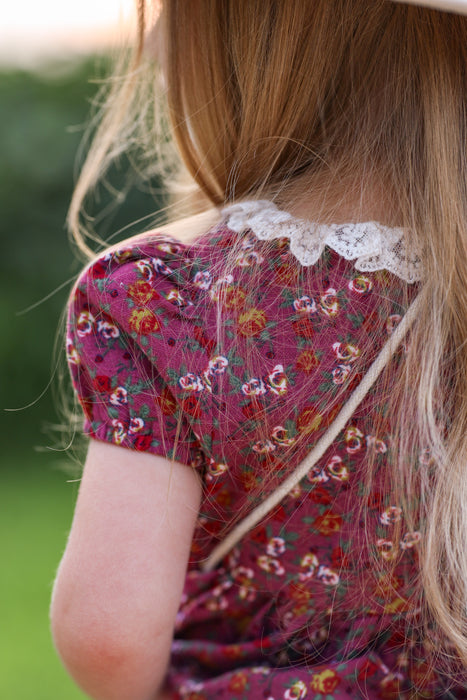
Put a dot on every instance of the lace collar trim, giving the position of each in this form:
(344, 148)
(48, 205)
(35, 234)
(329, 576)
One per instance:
(372, 245)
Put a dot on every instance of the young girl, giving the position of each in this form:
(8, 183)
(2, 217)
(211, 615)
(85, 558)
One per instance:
(319, 313)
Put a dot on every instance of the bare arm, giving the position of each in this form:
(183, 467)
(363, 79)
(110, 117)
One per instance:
(119, 584)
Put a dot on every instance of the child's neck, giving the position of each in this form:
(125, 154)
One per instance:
(340, 202)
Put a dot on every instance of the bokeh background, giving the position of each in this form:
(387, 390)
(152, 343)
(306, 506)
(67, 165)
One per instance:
(50, 56)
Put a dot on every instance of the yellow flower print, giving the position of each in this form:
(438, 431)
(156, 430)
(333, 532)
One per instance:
(143, 321)
(251, 322)
(325, 682)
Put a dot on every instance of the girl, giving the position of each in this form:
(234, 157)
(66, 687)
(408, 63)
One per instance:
(320, 314)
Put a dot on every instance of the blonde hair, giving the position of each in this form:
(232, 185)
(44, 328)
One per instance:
(263, 94)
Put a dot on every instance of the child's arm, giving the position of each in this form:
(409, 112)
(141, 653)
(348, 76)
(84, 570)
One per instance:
(120, 581)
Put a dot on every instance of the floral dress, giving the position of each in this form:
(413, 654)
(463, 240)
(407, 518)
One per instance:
(233, 354)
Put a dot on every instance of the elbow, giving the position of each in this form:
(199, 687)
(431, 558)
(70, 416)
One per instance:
(105, 660)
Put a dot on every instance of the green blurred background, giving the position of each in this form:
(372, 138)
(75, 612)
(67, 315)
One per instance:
(42, 114)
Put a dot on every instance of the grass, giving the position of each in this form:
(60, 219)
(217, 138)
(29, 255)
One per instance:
(40, 129)
(35, 515)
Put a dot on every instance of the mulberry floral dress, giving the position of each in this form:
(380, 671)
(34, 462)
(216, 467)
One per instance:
(232, 355)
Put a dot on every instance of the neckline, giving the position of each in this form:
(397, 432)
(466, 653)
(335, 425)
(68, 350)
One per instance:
(371, 245)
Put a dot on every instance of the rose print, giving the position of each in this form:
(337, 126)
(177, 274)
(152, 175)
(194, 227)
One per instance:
(263, 447)
(85, 323)
(238, 682)
(390, 686)
(191, 406)
(160, 267)
(325, 682)
(392, 322)
(191, 382)
(328, 523)
(320, 495)
(136, 424)
(329, 303)
(254, 387)
(317, 475)
(170, 248)
(310, 563)
(145, 268)
(142, 292)
(353, 437)
(297, 691)
(218, 364)
(279, 435)
(102, 383)
(345, 352)
(337, 469)
(107, 330)
(410, 539)
(142, 443)
(251, 322)
(340, 374)
(391, 515)
(307, 361)
(377, 445)
(175, 297)
(271, 565)
(72, 355)
(248, 259)
(303, 328)
(119, 396)
(327, 576)
(143, 321)
(119, 432)
(386, 548)
(233, 299)
(216, 286)
(275, 546)
(361, 285)
(203, 279)
(309, 420)
(243, 578)
(242, 429)
(277, 380)
(216, 468)
(305, 304)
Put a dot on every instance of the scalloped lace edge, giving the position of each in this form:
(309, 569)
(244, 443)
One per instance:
(372, 245)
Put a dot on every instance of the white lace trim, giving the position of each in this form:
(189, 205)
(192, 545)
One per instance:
(372, 245)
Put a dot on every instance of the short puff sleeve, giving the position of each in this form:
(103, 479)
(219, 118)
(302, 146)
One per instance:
(129, 318)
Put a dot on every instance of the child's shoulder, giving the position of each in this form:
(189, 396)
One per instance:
(168, 245)
(188, 229)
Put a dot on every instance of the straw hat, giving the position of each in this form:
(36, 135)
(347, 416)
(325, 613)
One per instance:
(459, 6)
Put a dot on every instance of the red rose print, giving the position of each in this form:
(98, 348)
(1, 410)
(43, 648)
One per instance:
(142, 442)
(166, 402)
(143, 321)
(191, 406)
(328, 523)
(325, 682)
(102, 383)
(99, 270)
(320, 495)
(303, 328)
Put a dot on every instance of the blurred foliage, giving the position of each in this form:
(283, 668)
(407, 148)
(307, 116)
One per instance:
(42, 118)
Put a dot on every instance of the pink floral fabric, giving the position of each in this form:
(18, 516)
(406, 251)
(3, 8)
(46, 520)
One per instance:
(298, 609)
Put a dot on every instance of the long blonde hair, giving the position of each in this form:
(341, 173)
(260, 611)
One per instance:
(264, 93)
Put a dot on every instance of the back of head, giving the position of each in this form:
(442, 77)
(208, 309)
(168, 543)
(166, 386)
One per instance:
(262, 92)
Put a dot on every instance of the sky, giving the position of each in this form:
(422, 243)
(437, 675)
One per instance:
(32, 30)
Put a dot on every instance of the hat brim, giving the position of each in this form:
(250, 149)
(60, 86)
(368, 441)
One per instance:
(459, 6)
